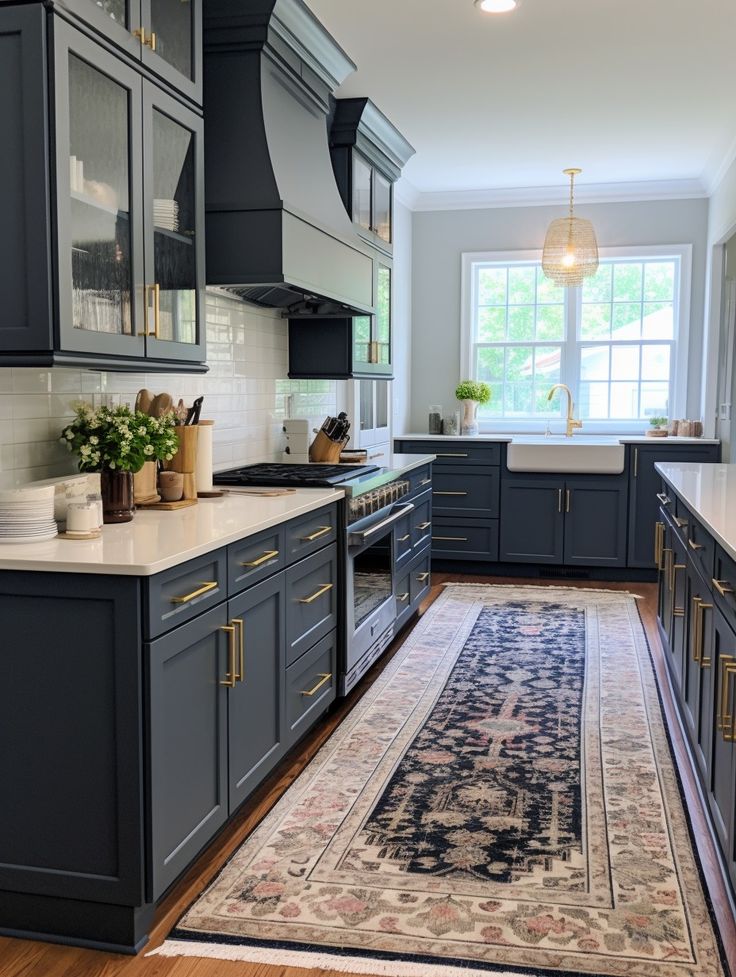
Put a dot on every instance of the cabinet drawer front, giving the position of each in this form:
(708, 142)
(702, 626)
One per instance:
(465, 539)
(310, 686)
(179, 594)
(457, 491)
(458, 452)
(311, 601)
(701, 547)
(402, 539)
(255, 558)
(403, 596)
(419, 479)
(420, 579)
(310, 533)
(420, 521)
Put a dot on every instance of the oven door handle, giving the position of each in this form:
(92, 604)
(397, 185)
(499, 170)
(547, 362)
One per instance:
(356, 539)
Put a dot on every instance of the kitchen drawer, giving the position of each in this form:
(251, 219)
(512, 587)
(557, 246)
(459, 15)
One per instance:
(455, 452)
(310, 533)
(420, 579)
(180, 593)
(701, 547)
(667, 501)
(458, 491)
(252, 559)
(465, 539)
(419, 479)
(310, 687)
(724, 584)
(311, 601)
(421, 521)
(404, 609)
(402, 539)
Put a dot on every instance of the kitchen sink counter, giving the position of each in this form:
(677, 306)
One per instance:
(709, 491)
(555, 438)
(156, 540)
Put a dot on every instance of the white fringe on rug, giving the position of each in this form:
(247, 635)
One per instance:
(322, 961)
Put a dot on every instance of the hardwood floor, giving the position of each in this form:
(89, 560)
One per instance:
(25, 958)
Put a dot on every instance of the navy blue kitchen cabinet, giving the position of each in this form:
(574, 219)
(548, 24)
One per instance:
(144, 731)
(532, 525)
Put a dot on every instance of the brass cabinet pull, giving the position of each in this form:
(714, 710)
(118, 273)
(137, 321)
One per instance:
(567, 500)
(205, 588)
(723, 717)
(426, 481)
(140, 35)
(636, 462)
(670, 571)
(403, 539)
(318, 593)
(704, 662)
(559, 500)
(449, 493)
(722, 586)
(451, 454)
(147, 289)
(324, 677)
(452, 539)
(680, 523)
(421, 577)
(232, 676)
(658, 543)
(694, 624)
(664, 499)
(322, 531)
(268, 555)
(697, 632)
(151, 42)
(424, 525)
(402, 598)
(677, 611)
(694, 546)
(239, 623)
(667, 553)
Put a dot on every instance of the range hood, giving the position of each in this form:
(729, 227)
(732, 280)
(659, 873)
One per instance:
(277, 232)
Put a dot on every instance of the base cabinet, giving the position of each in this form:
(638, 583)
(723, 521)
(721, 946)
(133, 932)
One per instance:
(532, 522)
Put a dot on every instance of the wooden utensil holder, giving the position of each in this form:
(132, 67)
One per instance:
(325, 451)
(185, 459)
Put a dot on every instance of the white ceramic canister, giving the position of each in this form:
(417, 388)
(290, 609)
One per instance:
(204, 456)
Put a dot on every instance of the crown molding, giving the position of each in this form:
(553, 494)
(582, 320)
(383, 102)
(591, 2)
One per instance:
(592, 193)
(714, 178)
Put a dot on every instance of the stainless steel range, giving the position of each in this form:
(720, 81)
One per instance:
(373, 504)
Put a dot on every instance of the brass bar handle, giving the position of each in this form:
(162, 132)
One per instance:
(140, 35)
(318, 593)
(728, 719)
(451, 454)
(658, 543)
(426, 481)
(567, 499)
(403, 598)
(722, 586)
(151, 42)
(156, 310)
(231, 679)
(421, 577)
(239, 623)
(449, 493)
(694, 546)
(559, 500)
(204, 589)
(424, 525)
(671, 579)
(322, 531)
(664, 499)
(403, 539)
(680, 523)
(636, 462)
(452, 539)
(146, 302)
(722, 712)
(667, 553)
(324, 677)
(677, 611)
(694, 624)
(704, 662)
(268, 555)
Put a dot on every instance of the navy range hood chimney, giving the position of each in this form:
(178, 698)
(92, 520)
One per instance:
(277, 232)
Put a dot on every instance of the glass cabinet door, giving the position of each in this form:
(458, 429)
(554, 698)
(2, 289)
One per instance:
(383, 317)
(118, 20)
(362, 192)
(174, 228)
(98, 136)
(361, 340)
(172, 42)
(382, 207)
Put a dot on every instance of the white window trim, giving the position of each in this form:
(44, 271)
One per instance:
(682, 308)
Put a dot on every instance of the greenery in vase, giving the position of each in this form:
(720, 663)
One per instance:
(119, 438)
(658, 422)
(473, 390)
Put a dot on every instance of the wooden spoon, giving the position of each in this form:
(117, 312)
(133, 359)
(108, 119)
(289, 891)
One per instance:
(143, 401)
(161, 404)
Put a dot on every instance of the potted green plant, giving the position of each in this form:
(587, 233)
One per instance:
(117, 441)
(658, 427)
(472, 393)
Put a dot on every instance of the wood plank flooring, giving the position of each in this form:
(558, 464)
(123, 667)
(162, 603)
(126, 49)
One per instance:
(25, 958)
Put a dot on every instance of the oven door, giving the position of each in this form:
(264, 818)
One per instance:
(371, 606)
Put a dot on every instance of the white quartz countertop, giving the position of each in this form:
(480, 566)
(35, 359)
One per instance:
(709, 491)
(527, 438)
(156, 540)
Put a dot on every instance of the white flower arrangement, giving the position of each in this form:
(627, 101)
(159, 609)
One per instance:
(123, 439)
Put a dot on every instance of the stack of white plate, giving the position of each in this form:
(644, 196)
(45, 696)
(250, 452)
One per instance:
(27, 514)
(166, 213)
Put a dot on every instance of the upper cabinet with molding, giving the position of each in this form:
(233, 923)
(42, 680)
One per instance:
(101, 187)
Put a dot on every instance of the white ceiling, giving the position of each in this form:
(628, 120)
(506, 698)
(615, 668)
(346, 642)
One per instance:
(629, 90)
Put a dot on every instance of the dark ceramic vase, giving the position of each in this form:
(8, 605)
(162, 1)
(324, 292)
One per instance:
(117, 495)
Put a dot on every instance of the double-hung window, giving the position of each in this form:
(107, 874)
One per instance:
(613, 340)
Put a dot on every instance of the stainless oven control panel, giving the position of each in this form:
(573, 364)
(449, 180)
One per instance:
(365, 505)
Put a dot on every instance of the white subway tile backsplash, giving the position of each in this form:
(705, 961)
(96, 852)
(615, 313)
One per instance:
(245, 393)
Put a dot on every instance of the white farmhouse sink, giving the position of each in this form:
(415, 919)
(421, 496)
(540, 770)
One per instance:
(581, 454)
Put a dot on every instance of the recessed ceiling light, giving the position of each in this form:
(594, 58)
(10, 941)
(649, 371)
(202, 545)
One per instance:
(496, 6)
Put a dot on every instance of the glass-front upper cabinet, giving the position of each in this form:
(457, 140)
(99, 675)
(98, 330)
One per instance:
(362, 185)
(174, 214)
(372, 334)
(372, 202)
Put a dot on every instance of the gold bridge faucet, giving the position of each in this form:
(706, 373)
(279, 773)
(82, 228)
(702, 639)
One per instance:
(571, 422)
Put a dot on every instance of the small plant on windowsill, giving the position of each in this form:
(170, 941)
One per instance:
(472, 393)
(657, 427)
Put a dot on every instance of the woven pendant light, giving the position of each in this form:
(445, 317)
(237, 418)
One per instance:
(570, 248)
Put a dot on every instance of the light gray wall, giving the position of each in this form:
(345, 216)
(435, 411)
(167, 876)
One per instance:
(440, 237)
(402, 318)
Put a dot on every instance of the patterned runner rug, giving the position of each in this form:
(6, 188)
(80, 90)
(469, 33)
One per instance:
(502, 800)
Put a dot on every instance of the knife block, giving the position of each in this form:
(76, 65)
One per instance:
(185, 459)
(324, 451)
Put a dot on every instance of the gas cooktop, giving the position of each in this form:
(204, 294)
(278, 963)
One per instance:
(304, 476)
